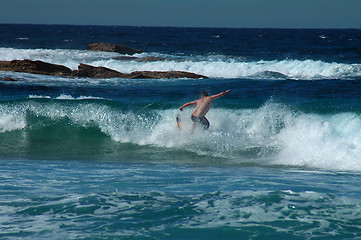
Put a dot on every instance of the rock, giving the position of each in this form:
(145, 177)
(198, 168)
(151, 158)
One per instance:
(168, 74)
(150, 59)
(109, 47)
(9, 79)
(125, 58)
(4, 64)
(35, 67)
(89, 71)
(85, 70)
(140, 59)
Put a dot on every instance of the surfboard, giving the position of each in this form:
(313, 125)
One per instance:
(179, 124)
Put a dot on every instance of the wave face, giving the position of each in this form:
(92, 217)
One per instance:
(270, 135)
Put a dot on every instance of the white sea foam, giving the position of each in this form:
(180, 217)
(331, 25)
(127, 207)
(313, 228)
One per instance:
(39, 97)
(68, 58)
(272, 134)
(11, 118)
(331, 142)
(293, 69)
(69, 97)
(272, 131)
(22, 38)
(66, 97)
(211, 66)
(10, 123)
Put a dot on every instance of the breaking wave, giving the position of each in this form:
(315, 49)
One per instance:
(211, 66)
(270, 135)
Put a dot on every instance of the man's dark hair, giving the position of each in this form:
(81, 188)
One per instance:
(205, 93)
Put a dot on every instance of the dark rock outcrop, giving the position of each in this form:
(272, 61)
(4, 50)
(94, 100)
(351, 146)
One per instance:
(84, 70)
(168, 74)
(140, 59)
(35, 67)
(5, 65)
(109, 47)
(89, 71)
(150, 59)
(125, 58)
(8, 79)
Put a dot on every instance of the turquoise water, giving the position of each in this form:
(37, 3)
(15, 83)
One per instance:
(114, 200)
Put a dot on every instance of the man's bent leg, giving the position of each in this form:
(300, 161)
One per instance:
(203, 121)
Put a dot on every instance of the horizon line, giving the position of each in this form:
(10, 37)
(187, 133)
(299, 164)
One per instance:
(199, 27)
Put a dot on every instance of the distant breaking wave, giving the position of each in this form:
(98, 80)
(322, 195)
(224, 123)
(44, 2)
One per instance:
(211, 66)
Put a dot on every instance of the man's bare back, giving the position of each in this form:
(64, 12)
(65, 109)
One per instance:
(202, 107)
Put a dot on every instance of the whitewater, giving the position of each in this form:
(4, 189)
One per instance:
(272, 134)
(214, 66)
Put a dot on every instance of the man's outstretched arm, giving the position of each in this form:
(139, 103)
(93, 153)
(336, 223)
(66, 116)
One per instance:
(220, 94)
(188, 104)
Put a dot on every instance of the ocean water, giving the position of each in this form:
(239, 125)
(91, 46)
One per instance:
(88, 158)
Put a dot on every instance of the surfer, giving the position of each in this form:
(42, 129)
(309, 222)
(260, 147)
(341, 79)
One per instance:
(202, 107)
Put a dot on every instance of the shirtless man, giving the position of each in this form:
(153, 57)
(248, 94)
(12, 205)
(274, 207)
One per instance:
(203, 106)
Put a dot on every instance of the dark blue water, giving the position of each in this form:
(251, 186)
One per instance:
(88, 158)
(329, 45)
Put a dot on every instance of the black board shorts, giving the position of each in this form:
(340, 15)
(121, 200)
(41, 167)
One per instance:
(203, 121)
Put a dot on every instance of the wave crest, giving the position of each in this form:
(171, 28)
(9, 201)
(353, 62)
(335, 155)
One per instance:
(211, 66)
(270, 135)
